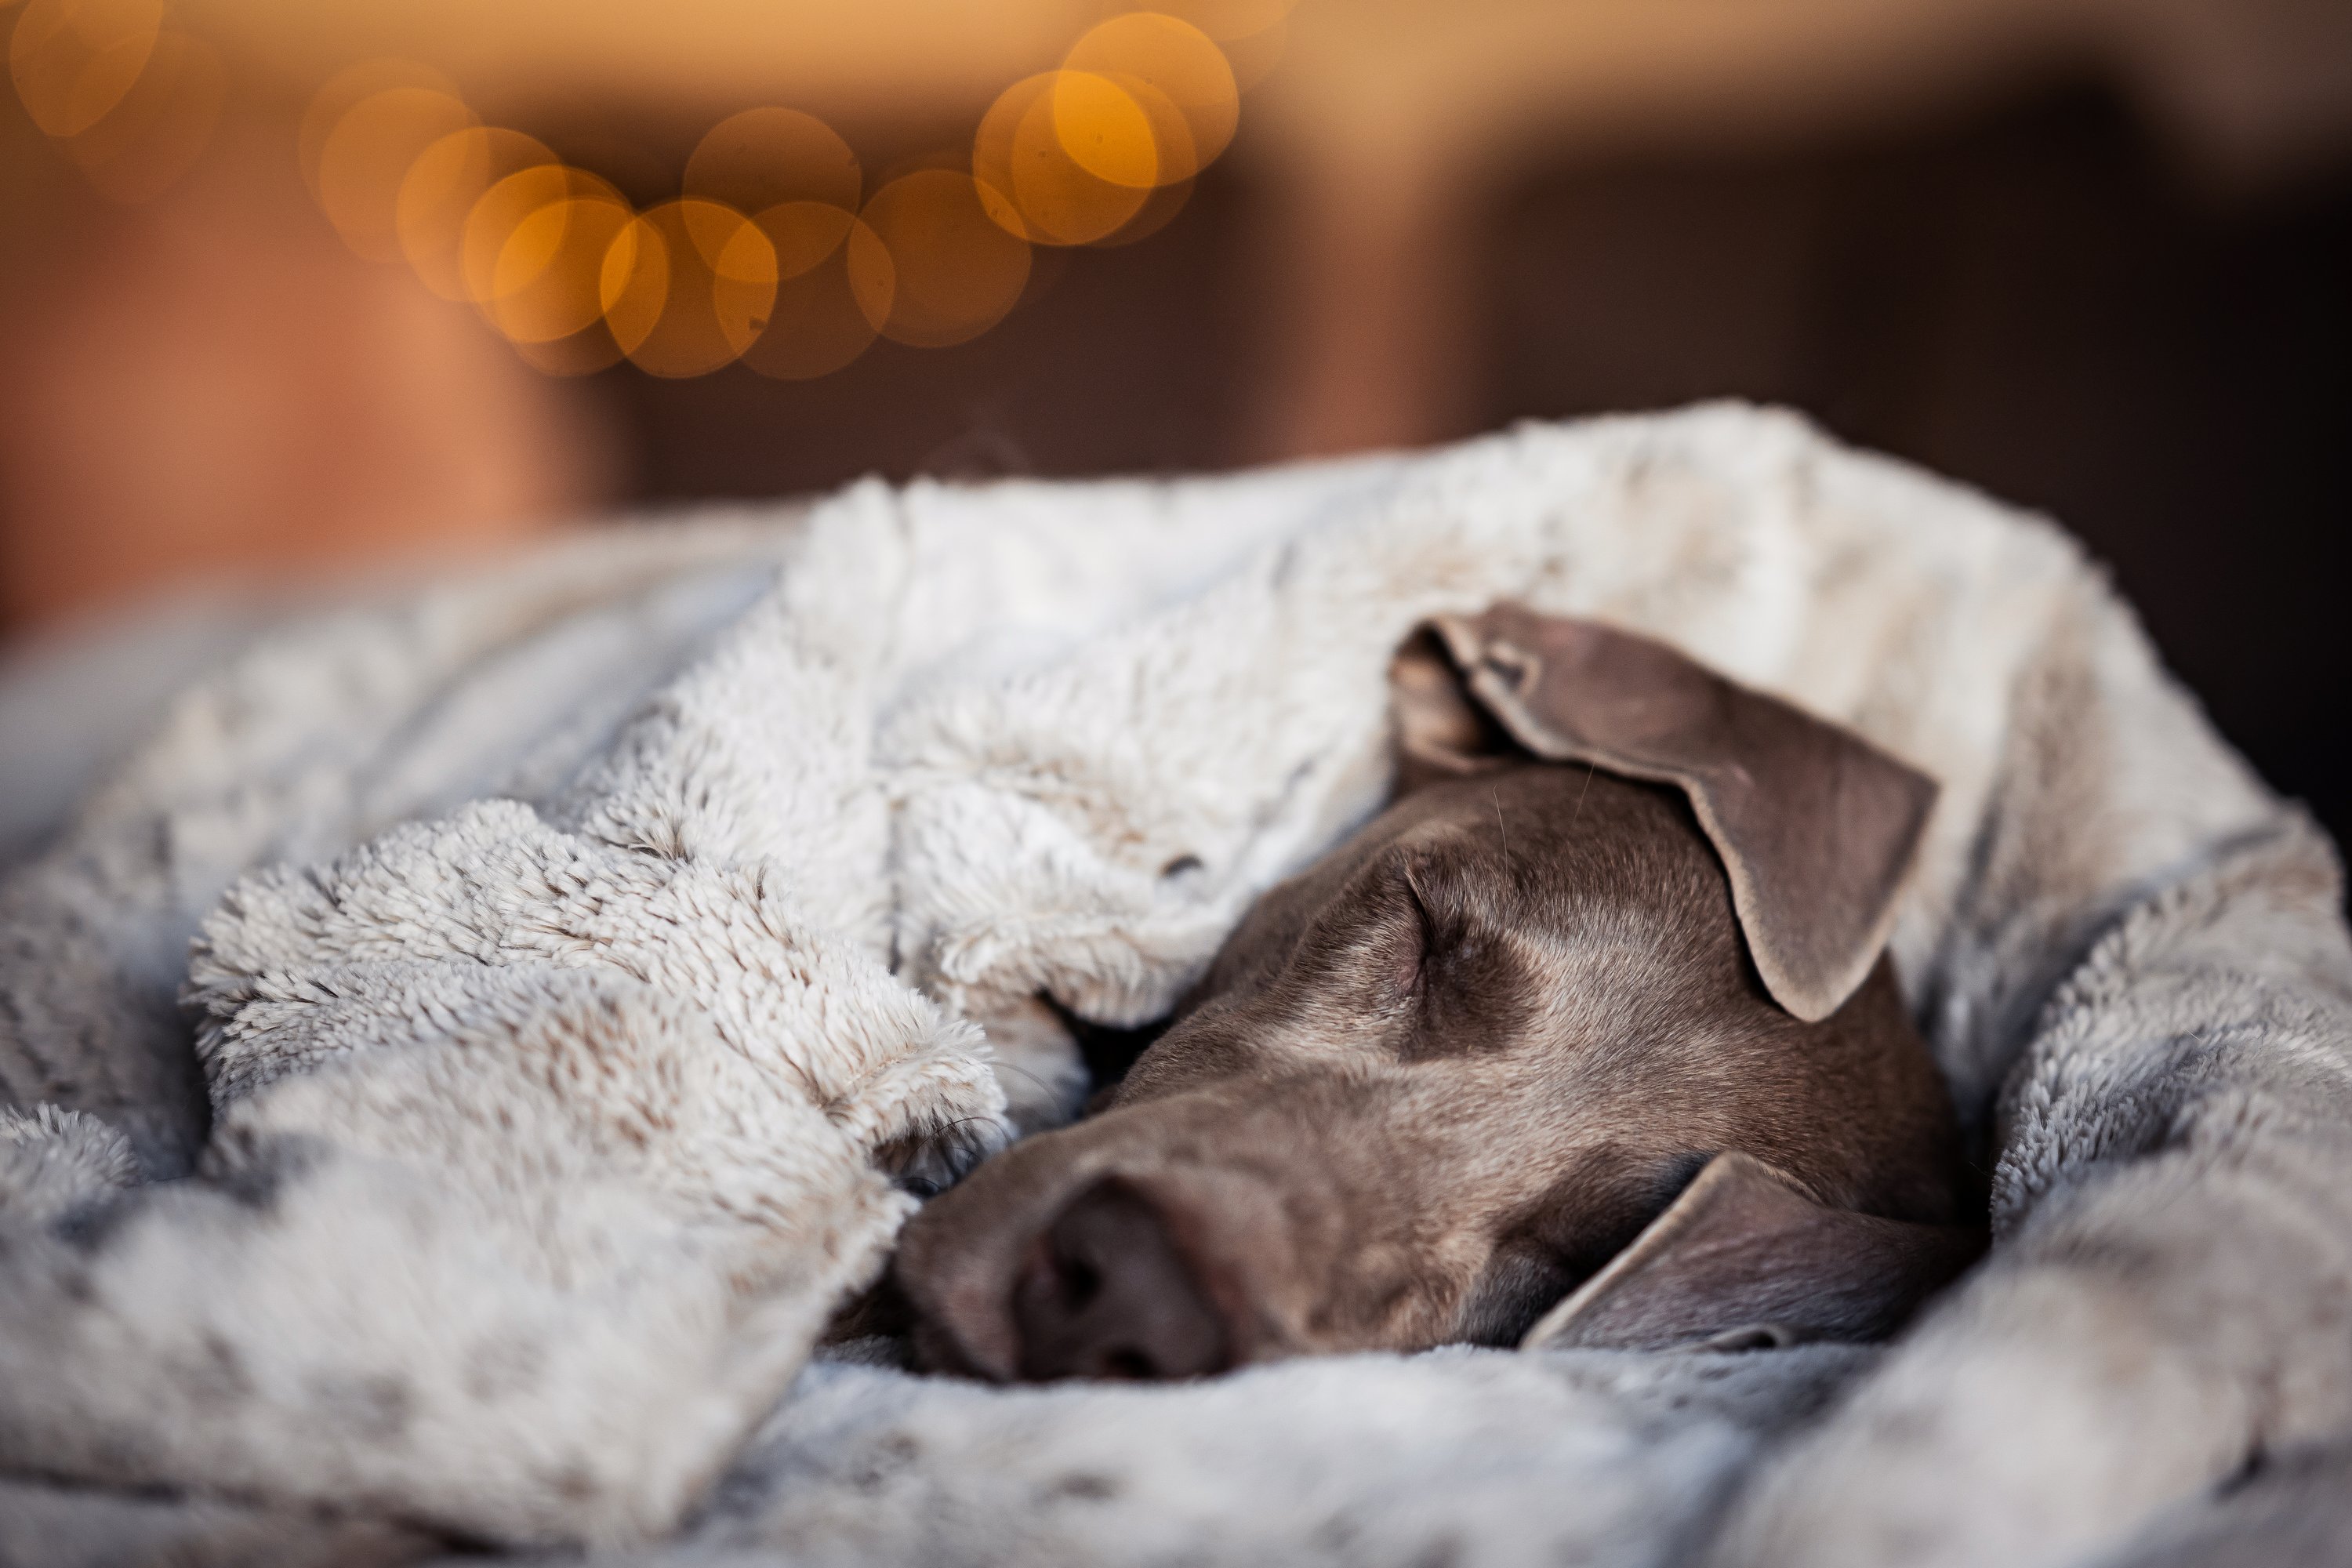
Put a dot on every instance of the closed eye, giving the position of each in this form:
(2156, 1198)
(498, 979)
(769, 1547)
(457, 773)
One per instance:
(1468, 986)
(1415, 938)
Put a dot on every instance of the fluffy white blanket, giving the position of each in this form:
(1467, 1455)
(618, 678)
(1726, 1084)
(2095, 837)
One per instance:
(578, 950)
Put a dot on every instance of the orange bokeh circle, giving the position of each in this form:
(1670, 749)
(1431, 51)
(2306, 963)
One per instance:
(764, 158)
(957, 271)
(835, 284)
(363, 161)
(73, 60)
(1148, 53)
(687, 286)
(1039, 190)
(440, 190)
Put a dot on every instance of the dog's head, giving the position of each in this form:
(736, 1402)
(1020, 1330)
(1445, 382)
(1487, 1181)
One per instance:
(1587, 1039)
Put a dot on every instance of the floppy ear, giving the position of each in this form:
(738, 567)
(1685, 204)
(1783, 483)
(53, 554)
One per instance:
(1745, 1259)
(1815, 825)
(1441, 733)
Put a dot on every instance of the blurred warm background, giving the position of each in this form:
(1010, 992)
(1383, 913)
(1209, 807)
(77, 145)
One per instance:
(294, 287)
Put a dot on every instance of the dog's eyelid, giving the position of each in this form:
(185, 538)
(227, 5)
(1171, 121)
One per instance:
(1437, 900)
(1408, 878)
(1416, 932)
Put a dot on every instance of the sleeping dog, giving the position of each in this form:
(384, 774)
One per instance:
(1588, 1039)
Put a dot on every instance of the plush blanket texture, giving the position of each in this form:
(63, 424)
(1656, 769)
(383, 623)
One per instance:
(462, 1061)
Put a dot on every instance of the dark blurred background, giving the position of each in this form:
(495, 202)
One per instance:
(2093, 257)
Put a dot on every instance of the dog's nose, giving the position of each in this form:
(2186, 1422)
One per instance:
(1106, 1292)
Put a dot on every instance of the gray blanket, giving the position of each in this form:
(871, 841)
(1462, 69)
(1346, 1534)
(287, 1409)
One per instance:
(457, 1062)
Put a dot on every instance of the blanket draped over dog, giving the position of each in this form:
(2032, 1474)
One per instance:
(580, 951)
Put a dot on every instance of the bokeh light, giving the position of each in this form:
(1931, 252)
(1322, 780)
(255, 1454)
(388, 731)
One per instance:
(765, 158)
(1152, 53)
(1103, 151)
(162, 126)
(336, 95)
(1038, 191)
(530, 259)
(835, 285)
(73, 60)
(687, 286)
(499, 212)
(1251, 33)
(440, 191)
(1105, 130)
(545, 283)
(957, 270)
(1158, 210)
(366, 159)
